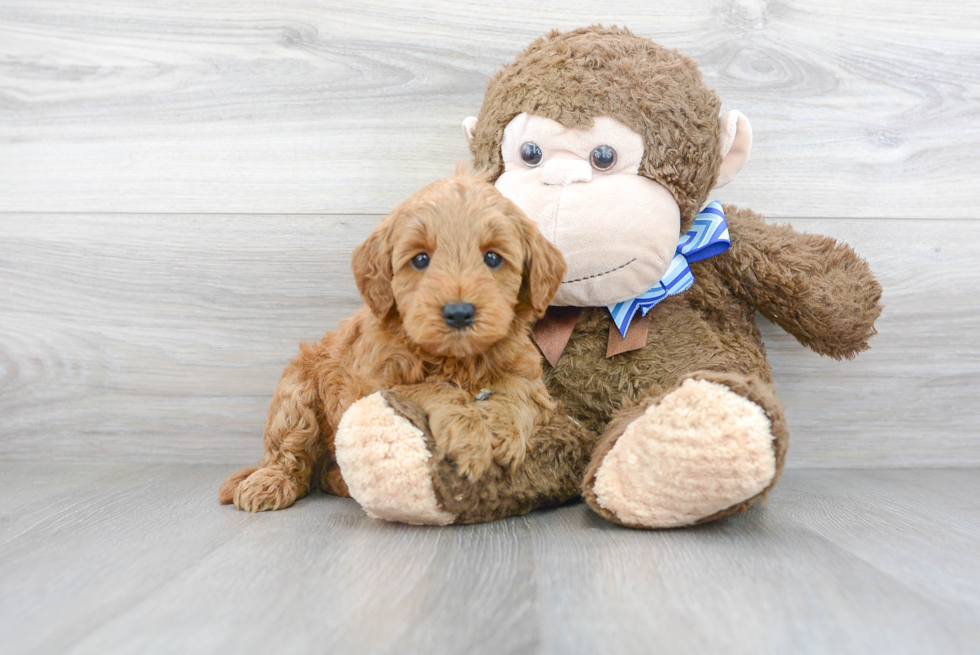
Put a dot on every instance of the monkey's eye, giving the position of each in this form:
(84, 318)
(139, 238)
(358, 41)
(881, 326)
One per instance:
(603, 158)
(531, 154)
(420, 261)
(493, 260)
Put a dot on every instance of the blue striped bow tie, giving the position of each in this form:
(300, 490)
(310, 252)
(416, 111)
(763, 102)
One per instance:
(707, 238)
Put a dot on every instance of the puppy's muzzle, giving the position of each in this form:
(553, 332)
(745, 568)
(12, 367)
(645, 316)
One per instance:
(458, 315)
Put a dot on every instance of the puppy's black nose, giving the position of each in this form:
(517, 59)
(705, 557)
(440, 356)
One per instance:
(458, 315)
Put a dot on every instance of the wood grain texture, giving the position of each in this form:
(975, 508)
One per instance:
(161, 338)
(763, 582)
(860, 109)
(122, 559)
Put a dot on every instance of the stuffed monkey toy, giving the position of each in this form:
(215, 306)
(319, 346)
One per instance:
(613, 145)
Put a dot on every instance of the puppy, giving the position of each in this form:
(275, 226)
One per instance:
(451, 280)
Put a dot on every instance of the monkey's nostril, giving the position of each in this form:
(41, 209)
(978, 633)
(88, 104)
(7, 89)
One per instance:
(458, 315)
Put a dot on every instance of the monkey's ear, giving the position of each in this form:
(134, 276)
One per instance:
(544, 269)
(469, 124)
(735, 141)
(371, 264)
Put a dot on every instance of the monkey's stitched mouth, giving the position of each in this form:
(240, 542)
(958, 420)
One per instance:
(595, 275)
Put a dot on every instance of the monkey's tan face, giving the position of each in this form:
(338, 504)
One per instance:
(617, 229)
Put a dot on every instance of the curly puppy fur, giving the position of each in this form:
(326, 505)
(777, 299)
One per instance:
(401, 341)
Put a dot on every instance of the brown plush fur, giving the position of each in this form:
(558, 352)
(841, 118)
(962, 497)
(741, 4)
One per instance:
(575, 76)
(400, 341)
(817, 289)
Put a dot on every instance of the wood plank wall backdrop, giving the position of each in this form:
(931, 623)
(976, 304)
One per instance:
(181, 184)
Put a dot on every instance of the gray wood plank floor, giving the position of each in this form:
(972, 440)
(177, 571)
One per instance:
(102, 558)
(181, 185)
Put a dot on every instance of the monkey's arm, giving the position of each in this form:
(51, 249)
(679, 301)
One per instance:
(812, 286)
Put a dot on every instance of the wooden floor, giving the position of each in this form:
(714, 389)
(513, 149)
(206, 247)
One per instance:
(108, 558)
(181, 186)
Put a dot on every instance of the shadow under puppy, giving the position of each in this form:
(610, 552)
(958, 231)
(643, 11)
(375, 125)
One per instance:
(441, 360)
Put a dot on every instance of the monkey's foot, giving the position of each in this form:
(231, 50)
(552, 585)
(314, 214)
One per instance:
(383, 457)
(700, 452)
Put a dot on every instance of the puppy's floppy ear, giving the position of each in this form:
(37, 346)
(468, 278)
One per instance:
(544, 269)
(371, 264)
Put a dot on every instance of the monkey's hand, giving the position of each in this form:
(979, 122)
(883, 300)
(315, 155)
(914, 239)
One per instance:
(812, 286)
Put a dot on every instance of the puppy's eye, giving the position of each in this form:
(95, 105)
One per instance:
(603, 158)
(493, 260)
(420, 261)
(531, 154)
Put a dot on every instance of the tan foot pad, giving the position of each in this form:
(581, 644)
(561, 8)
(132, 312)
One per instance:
(701, 449)
(385, 463)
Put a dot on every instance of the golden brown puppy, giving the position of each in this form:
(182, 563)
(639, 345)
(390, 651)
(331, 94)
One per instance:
(451, 280)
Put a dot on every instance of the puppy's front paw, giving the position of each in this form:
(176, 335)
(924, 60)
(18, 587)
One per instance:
(265, 489)
(464, 439)
(472, 463)
(509, 451)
